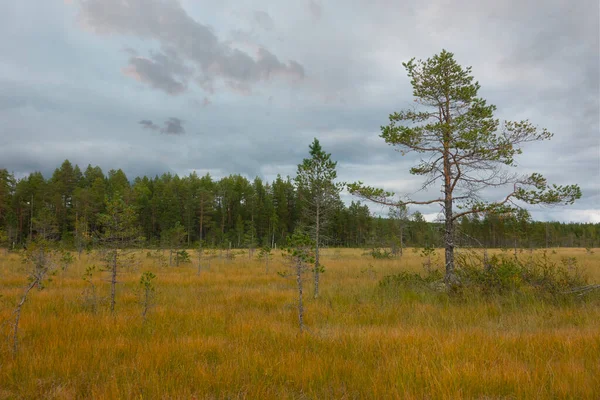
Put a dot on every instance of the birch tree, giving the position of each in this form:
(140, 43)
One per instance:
(463, 149)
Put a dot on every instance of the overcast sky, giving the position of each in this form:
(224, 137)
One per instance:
(153, 86)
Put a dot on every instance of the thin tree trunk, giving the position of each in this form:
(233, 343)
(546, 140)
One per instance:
(317, 252)
(146, 304)
(113, 282)
(200, 257)
(201, 218)
(18, 316)
(449, 244)
(450, 277)
(300, 304)
(487, 266)
(401, 240)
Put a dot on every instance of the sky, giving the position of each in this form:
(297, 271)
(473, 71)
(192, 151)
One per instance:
(227, 87)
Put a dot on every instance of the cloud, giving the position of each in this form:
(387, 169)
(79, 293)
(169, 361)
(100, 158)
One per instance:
(264, 20)
(147, 124)
(172, 126)
(167, 23)
(315, 9)
(163, 71)
(62, 93)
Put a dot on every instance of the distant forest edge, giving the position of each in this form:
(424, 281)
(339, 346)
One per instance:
(236, 212)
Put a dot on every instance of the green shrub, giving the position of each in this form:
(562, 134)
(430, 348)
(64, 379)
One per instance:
(505, 275)
(183, 257)
(380, 254)
(508, 274)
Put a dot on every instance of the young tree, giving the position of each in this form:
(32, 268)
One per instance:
(317, 194)
(120, 230)
(299, 252)
(174, 238)
(250, 240)
(42, 262)
(398, 217)
(147, 292)
(517, 223)
(265, 254)
(463, 146)
(90, 294)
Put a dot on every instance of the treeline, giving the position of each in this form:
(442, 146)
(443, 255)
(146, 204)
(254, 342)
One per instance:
(234, 211)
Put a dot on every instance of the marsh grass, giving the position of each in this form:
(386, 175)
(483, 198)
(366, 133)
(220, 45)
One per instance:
(232, 332)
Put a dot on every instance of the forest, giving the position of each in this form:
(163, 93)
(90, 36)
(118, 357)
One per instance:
(234, 211)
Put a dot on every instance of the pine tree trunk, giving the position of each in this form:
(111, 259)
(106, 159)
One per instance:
(200, 257)
(146, 303)
(300, 304)
(113, 282)
(317, 252)
(487, 266)
(401, 241)
(201, 220)
(450, 277)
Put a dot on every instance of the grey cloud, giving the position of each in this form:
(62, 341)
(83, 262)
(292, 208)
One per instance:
(206, 102)
(172, 126)
(163, 70)
(24, 158)
(168, 23)
(147, 124)
(315, 9)
(264, 20)
(536, 61)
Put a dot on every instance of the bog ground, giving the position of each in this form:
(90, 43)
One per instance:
(232, 332)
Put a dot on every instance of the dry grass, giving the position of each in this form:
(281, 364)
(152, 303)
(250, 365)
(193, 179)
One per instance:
(232, 333)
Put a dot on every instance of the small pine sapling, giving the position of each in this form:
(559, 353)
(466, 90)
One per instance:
(148, 290)
(265, 254)
(426, 253)
(120, 231)
(90, 294)
(299, 252)
(66, 260)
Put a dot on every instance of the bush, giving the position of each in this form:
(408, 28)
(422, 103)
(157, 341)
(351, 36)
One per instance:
(507, 274)
(380, 254)
(413, 281)
(183, 257)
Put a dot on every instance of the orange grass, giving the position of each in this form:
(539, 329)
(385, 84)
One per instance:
(232, 333)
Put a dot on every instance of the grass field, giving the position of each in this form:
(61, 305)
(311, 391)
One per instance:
(231, 332)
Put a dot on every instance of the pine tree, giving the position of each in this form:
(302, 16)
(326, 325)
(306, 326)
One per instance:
(464, 147)
(318, 195)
